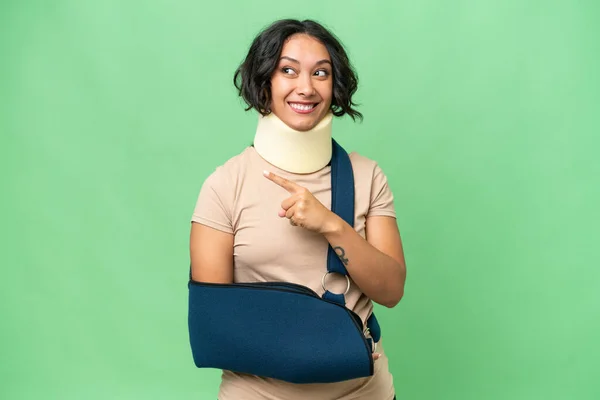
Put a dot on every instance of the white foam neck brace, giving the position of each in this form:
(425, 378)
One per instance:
(291, 150)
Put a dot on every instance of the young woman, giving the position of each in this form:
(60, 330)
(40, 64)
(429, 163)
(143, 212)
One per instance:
(264, 215)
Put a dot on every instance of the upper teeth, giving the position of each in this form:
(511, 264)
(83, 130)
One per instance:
(303, 107)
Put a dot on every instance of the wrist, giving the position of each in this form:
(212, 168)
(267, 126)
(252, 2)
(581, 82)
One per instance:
(334, 225)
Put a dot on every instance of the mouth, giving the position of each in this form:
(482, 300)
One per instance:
(303, 108)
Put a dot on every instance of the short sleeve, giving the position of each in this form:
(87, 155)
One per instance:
(215, 202)
(382, 198)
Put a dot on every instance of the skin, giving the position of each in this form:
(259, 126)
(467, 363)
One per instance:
(375, 263)
(303, 76)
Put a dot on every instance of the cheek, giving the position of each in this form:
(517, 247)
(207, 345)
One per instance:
(327, 87)
(326, 92)
(279, 89)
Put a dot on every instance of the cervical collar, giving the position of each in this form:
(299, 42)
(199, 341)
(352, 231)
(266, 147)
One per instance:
(299, 152)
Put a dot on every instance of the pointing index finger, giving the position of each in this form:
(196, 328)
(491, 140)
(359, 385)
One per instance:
(284, 183)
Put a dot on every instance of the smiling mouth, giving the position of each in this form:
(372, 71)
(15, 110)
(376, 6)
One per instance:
(302, 108)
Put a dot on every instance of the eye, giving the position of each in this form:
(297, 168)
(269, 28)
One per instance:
(287, 70)
(322, 73)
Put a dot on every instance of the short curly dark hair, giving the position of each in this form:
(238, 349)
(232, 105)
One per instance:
(253, 77)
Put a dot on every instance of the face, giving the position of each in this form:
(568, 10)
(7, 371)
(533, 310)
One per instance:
(302, 85)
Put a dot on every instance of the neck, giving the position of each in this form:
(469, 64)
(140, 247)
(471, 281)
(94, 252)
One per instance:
(294, 151)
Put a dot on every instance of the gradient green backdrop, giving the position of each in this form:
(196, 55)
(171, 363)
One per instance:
(482, 113)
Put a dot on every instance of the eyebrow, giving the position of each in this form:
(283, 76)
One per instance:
(298, 62)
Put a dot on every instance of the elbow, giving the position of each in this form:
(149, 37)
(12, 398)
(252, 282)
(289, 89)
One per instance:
(396, 292)
(393, 300)
(392, 288)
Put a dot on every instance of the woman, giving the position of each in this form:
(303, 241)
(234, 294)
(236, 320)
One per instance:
(298, 77)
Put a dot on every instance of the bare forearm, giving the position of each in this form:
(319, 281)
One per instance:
(378, 275)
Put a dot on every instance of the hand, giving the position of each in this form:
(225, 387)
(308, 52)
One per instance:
(302, 208)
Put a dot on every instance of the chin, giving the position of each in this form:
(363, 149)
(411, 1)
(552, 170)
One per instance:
(303, 123)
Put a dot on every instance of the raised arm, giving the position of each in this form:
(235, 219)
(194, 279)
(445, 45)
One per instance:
(376, 264)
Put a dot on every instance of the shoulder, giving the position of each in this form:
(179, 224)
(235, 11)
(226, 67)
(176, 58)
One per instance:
(369, 178)
(364, 167)
(360, 161)
(218, 191)
(229, 172)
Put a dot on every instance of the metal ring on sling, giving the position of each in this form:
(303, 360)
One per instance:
(325, 276)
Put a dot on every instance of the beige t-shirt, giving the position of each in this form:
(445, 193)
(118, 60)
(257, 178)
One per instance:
(238, 199)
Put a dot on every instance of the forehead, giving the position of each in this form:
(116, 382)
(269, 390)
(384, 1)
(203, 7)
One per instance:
(304, 48)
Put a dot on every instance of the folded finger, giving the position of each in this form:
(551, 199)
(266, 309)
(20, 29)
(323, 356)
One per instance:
(290, 212)
(289, 202)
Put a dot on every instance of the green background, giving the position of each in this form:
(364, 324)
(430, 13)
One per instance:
(484, 115)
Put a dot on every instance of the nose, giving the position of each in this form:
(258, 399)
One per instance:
(305, 85)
